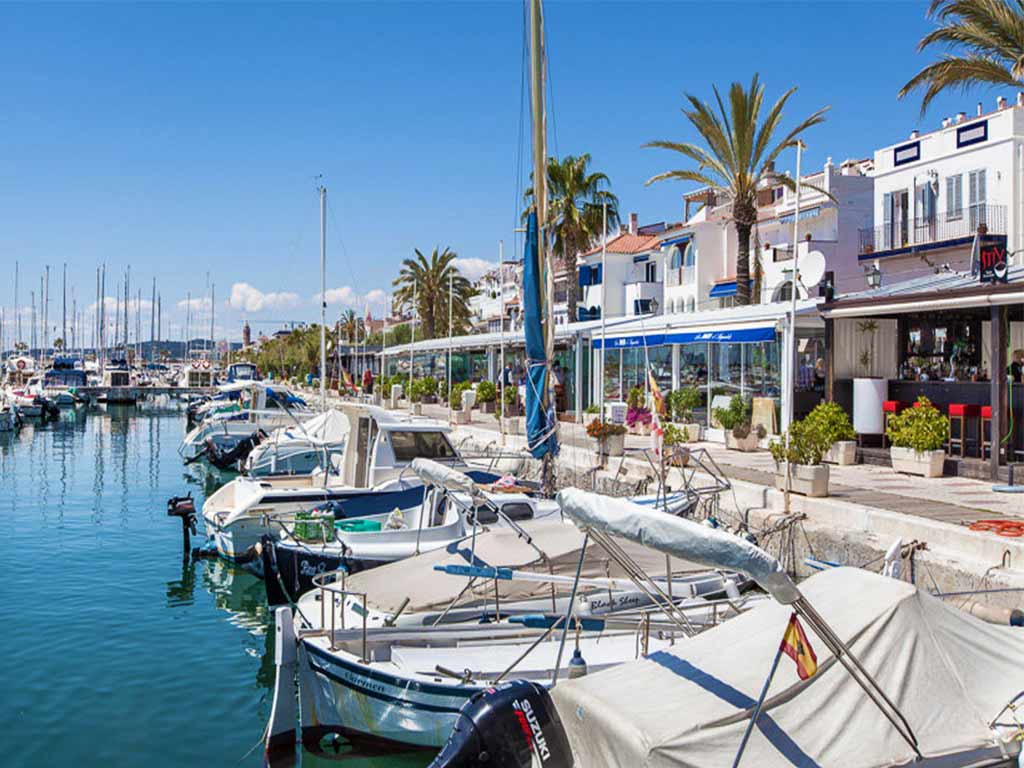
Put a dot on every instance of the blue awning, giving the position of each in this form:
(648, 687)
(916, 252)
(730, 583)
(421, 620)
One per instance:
(807, 213)
(724, 289)
(677, 240)
(712, 335)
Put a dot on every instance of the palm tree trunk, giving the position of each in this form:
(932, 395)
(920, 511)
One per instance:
(743, 263)
(572, 287)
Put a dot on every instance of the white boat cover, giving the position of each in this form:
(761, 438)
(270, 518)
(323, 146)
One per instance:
(948, 673)
(329, 427)
(387, 586)
(432, 473)
(678, 537)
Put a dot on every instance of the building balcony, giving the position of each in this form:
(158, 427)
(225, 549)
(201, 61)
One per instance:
(680, 276)
(940, 231)
(584, 313)
(643, 297)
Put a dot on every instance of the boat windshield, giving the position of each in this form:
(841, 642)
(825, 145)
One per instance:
(426, 445)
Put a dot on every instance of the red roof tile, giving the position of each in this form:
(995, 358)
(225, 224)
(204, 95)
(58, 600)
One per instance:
(628, 243)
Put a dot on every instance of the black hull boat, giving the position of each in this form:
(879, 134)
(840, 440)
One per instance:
(288, 570)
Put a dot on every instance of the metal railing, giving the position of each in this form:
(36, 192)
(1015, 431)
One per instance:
(904, 233)
(679, 276)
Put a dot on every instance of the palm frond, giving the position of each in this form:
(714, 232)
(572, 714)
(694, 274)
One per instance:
(957, 73)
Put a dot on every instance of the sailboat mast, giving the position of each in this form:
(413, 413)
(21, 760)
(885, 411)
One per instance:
(323, 298)
(540, 179)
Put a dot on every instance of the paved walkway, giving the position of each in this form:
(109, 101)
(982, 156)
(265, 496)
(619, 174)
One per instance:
(953, 500)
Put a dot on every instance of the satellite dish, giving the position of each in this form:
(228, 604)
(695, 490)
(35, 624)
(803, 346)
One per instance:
(811, 268)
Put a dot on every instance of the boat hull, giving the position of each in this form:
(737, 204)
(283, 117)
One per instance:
(374, 704)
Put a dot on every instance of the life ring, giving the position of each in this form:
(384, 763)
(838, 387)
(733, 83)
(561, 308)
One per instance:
(195, 363)
(21, 365)
(206, 363)
(1011, 529)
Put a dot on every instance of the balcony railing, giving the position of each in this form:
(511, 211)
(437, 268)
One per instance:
(932, 231)
(679, 276)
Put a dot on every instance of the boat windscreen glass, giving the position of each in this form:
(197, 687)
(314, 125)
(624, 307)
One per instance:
(426, 445)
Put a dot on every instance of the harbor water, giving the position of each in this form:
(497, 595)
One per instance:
(116, 652)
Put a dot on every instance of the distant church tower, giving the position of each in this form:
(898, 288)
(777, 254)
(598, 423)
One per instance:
(246, 335)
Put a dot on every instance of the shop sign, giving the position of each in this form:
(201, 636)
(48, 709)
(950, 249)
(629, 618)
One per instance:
(993, 264)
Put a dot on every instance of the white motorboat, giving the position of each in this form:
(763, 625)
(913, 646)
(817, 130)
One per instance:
(404, 681)
(262, 406)
(452, 508)
(62, 381)
(197, 374)
(22, 386)
(300, 449)
(9, 418)
(119, 382)
(372, 475)
(887, 675)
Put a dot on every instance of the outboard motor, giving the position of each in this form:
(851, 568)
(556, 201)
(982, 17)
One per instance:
(513, 725)
(183, 507)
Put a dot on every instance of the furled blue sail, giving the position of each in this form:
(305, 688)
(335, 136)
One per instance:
(541, 427)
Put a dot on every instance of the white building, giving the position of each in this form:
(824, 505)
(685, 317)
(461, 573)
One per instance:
(700, 255)
(936, 191)
(631, 278)
(497, 295)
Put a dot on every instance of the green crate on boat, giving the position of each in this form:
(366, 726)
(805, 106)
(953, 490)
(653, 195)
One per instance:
(309, 527)
(358, 526)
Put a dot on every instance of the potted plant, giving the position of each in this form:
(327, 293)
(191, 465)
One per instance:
(674, 439)
(735, 420)
(590, 413)
(416, 396)
(804, 446)
(834, 424)
(428, 389)
(681, 404)
(610, 437)
(510, 396)
(486, 395)
(638, 415)
(917, 435)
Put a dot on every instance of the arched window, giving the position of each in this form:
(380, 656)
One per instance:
(675, 258)
(785, 292)
(691, 305)
(691, 254)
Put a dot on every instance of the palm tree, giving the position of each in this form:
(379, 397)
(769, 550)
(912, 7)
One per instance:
(989, 35)
(429, 279)
(351, 326)
(739, 158)
(575, 204)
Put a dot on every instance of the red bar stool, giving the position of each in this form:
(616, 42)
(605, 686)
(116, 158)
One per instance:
(960, 412)
(890, 407)
(986, 421)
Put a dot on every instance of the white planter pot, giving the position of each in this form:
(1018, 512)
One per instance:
(746, 444)
(692, 432)
(417, 409)
(806, 479)
(513, 425)
(843, 453)
(868, 396)
(615, 445)
(463, 417)
(924, 463)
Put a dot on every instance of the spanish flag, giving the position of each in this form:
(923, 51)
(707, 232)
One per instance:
(349, 384)
(659, 399)
(795, 645)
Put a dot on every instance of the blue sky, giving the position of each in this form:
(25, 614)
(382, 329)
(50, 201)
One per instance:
(186, 138)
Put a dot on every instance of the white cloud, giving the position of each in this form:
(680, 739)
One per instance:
(473, 269)
(250, 299)
(111, 304)
(348, 297)
(201, 304)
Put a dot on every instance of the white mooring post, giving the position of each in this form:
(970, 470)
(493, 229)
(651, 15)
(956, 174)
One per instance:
(280, 736)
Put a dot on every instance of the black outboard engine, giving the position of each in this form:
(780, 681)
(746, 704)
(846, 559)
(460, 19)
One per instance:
(513, 725)
(184, 508)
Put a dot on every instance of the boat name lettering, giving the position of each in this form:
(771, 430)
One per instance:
(308, 569)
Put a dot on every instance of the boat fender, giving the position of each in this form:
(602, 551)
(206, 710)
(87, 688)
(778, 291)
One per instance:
(577, 665)
(1017, 618)
(512, 725)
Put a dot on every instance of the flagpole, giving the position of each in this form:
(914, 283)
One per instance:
(412, 342)
(757, 707)
(501, 337)
(791, 340)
